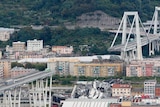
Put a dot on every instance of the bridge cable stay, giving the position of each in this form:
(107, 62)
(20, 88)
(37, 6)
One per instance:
(117, 31)
(129, 34)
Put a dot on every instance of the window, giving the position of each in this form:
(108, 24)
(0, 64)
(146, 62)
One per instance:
(111, 71)
(96, 71)
(81, 70)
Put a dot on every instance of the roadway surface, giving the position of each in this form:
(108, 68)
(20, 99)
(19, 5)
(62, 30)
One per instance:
(26, 79)
(132, 44)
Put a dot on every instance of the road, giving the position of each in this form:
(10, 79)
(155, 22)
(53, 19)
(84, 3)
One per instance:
(26, 79)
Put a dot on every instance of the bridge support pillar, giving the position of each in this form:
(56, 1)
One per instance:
(151, 48)
(10, 98)
(155, 45)
(134, 34)
(40, 93)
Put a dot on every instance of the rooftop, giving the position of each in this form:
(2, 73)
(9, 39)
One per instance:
(121, 86)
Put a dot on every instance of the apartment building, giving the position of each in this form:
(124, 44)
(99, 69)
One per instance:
(5, 33)
(157, 90)
(6, 64)
(19, 71)
(1, 72)
(119, 90)
(18, 46)
(62, 65)
(149, 87)
(146, 67)
(62, 49)
(137, 91)
(34, 45)
(102, 69)
(95, 66)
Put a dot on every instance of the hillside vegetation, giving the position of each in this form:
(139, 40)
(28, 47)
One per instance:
(57, 12)
(52, 12)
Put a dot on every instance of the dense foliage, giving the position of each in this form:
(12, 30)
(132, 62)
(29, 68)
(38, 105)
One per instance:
(97, 41)
(134, 81)
(38, 66)
(51, 12)
(57, 12)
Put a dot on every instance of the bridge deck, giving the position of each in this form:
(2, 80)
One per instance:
(26, 79)
(132, 44)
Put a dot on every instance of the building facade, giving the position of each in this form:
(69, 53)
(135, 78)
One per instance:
(149, 87)
(6, 64)
(62, 65)
(1, 72)
(146, 67)
(19, 71)
(157, 90)
(85, 66)
(97, 69)
(137, 91)
(34, 45)
(18, 46)
(62, 49)
(120, 90)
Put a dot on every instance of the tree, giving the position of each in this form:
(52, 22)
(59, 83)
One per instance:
(40, 66)
(14, 64)
(29, 65)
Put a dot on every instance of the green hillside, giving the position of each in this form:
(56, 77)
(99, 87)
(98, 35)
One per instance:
(52, 12)
(57, 12)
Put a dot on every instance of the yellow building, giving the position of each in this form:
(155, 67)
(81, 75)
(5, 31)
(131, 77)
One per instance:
(126, 104)
(137, 91)
(6, 64)
(97, 69)
(93, 66)
(62, 65)
(18, 46)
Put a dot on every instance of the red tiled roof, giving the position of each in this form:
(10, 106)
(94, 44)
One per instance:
(121, 86)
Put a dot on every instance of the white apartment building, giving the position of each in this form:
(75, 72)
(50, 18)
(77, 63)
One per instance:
(149, 87)
(34, 45)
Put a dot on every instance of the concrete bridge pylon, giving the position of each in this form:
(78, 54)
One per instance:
(131, 22)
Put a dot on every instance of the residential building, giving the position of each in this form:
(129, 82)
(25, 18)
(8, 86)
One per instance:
(18, 46)
(62, 65)
(149, 87)
(5, 33)
(34, 45)
(157, 90)
(95, 66)
(0, 54)
(1, 72)
(146, 67)
(137, 91)
(62, 49)
(119, 90)
(102, 69)
(6, 64)
(9, 49)
(19, 71)
(33, 54)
